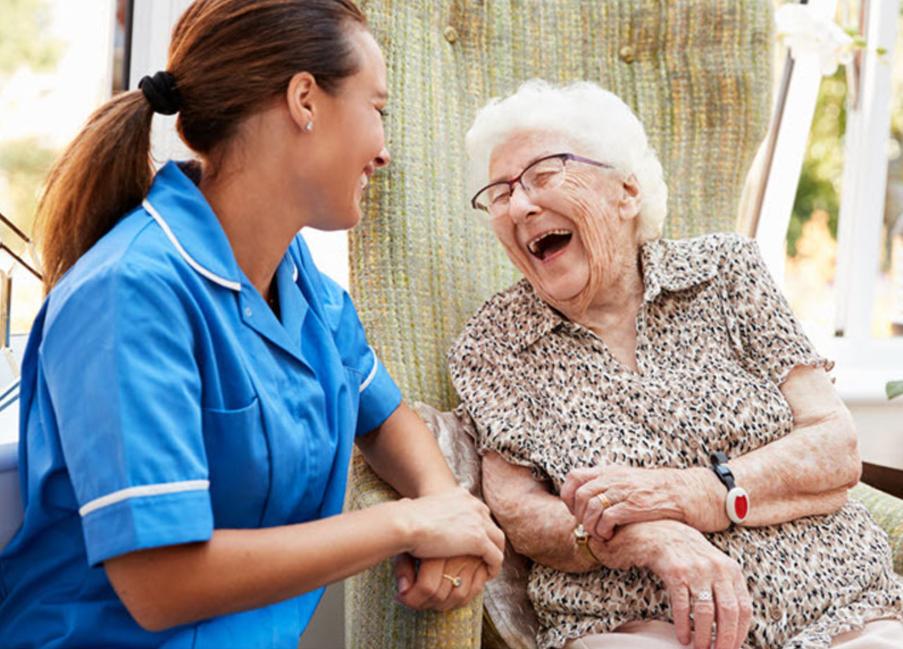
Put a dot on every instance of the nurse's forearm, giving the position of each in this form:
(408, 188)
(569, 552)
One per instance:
(245, 569)
(404, 453)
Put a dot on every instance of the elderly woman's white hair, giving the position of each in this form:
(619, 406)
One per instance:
(582, 112)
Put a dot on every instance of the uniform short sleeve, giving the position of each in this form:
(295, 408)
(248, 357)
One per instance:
(118, 364)
(379, 396)
(767, 335)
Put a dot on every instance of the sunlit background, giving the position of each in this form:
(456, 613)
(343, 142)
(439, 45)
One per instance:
(59, 60)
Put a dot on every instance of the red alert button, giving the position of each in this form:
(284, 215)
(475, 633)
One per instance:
(737, 505)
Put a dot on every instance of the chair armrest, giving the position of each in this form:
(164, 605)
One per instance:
(373, 619)
(888, 513)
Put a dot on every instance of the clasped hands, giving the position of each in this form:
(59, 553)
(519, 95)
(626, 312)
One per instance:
(456, 548)
(706, 587)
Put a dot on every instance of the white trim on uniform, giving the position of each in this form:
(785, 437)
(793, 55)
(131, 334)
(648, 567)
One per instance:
(372, 374)
(144, 490)
(213, 277)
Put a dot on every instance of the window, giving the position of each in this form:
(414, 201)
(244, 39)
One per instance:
(59, 60)
(840, 251)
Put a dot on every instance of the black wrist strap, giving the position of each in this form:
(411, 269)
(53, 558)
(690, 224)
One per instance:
(719, 466)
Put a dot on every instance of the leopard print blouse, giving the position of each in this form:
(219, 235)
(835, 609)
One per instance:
(715, 339)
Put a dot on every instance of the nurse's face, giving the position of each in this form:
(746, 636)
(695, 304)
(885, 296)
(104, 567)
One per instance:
(349, 132)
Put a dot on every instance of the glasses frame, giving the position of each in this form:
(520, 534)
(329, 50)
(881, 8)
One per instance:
(564, 157)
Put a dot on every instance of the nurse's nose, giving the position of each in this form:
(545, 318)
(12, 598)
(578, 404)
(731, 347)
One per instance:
(382, 159)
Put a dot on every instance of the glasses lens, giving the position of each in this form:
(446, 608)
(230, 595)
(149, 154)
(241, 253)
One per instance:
(544, 174)
(494, 197)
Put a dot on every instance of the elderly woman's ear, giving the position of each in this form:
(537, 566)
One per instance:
(631, 200)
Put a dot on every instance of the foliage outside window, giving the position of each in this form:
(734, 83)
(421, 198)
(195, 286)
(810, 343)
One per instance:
(812, 233)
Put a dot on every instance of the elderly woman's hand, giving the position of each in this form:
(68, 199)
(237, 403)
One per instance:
(702, 581)
(603, 497)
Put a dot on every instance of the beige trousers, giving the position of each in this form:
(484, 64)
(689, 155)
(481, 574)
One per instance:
(880, 634)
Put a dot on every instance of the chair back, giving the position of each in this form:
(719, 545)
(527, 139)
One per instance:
(696, 72)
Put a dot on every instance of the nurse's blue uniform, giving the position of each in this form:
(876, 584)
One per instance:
(162, 398)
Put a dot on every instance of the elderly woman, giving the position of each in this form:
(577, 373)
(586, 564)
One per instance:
(660, 437)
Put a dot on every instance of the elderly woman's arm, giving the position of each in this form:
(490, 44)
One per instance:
(539, 526)
(805, 473)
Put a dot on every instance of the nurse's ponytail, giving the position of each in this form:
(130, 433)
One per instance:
(105, 171)
(227, 59)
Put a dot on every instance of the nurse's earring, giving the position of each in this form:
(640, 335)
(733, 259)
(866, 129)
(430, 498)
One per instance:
(309, 126)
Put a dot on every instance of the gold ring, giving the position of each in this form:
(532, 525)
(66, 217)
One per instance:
(455, 581)
(604, 501)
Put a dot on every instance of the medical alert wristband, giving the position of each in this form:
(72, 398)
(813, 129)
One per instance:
(736, 505)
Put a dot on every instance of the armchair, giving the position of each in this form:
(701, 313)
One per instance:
(698, 74)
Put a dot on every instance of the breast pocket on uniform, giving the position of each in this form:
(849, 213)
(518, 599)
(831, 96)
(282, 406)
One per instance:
(238, 463)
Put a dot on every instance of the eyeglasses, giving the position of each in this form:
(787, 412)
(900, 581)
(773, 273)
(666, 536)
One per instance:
(540, 175)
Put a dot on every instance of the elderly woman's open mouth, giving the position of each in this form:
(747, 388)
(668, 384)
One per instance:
(550, 244)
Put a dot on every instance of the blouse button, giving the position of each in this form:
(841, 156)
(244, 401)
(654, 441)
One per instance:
(451, 34)
(248, 311)
(775, 613)
(626, 54)
(694, 443)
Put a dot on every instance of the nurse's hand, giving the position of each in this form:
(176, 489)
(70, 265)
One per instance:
(432, 586)
(452, 524)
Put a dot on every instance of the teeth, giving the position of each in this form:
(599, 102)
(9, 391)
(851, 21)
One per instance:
(533, 246)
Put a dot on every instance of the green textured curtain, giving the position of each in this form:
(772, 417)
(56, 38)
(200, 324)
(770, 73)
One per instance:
(697, 72)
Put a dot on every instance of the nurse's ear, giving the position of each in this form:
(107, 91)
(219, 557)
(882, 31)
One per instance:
(301, 98)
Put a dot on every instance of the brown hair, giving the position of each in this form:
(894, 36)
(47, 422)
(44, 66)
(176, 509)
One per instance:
(227, 57)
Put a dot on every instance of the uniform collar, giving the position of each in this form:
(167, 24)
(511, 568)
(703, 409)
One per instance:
(180, 209)
(666, 266)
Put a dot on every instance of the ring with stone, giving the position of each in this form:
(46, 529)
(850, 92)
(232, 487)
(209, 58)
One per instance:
(455, 581)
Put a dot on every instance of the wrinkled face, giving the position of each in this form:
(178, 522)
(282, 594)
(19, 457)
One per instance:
(564, 240)
(350, 129)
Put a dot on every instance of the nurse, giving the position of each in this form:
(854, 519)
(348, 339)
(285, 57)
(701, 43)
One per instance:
(193, 384)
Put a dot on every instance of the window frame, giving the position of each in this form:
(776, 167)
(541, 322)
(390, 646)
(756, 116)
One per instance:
(864, 363)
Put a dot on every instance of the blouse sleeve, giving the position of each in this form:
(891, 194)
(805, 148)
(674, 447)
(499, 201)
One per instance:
(766, 334)
(500, 411)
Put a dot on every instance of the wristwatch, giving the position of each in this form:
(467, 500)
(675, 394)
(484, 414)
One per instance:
(736, 504)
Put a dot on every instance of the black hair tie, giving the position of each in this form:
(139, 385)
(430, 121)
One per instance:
(161, 93)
